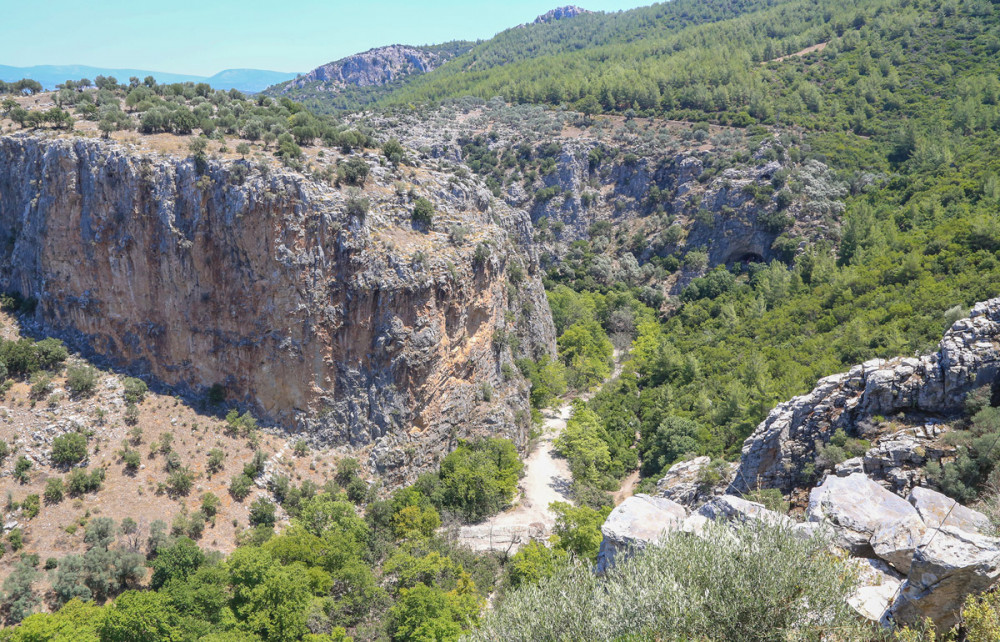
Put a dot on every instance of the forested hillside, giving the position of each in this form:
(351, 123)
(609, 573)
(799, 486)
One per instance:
(882, 116)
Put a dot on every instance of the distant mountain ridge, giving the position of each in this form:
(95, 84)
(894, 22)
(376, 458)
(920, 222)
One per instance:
(561, 13)
(248, 80)
(357, 80)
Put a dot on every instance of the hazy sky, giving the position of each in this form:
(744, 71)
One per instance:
(205, 36)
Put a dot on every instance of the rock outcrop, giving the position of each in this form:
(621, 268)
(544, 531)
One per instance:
(856, 506)
(372, 68)
(638, 521)
(360, 331)
(782, 446)
(684, 482)
(935, 508)
(560, 13)
(950, 565)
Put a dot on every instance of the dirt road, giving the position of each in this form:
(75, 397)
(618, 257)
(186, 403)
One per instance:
(546, 479)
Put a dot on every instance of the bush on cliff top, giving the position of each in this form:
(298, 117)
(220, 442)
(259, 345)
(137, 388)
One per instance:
(748, 582)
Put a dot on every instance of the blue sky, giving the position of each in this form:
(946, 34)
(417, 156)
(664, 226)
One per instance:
(205, 36)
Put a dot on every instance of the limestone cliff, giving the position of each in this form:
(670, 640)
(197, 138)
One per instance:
(373, 68)
(356, 330)
(926, 389)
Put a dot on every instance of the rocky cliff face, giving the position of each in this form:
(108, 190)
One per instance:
(560, 13)
(359, 331)
(379, 66)
(665, 189)
(926, 389)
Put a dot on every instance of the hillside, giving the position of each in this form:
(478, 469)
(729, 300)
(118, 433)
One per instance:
(751, 248)
(358, 80)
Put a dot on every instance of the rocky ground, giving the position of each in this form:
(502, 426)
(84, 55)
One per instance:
(28, 425)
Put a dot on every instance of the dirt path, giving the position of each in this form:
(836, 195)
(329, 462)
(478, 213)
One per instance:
(627, 489)
(546, 479)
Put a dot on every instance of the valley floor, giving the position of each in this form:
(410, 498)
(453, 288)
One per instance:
(546, 479)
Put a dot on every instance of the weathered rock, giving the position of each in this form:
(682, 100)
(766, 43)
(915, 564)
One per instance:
(560, 13)
(683, 482)
(778, 451)
(374, 67)
(898, 458)
(895, 541)
(636, 522)
(732, 508)
(849, 467)
(951, 565)
(878, 586)
(262, 282)
(934, 509)
(856, 506)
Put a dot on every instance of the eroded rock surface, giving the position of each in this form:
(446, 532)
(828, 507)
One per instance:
(940, 510)
(639, 520)
(349, 331)
(856, 506)
(951, 565)
(782, 446)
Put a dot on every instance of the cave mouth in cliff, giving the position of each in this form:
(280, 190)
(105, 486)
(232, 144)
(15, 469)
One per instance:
(746, 258)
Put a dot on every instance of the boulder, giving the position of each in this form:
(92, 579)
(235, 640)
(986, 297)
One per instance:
(856, 507)
(731, 507)
(683, 482)
(849, 467)
(951, 565)
(878, 585)
(934, 509)
(896, 541)
(639, 520)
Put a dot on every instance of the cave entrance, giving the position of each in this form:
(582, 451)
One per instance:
(748, 257)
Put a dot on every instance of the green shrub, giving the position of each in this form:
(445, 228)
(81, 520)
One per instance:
(210, 504)
(354, 171)
(216, 460)
(423, 212)
(239, 487)
(393, 151)
(348, 469)
(745, 582)
(180, 481)
(839, 449)
(132, 459)
(534, 562)
(131, 414)
(53, 490)
(80, 482)
(771, 498)
(81, 380)
(262, 512)
(41, 385)
(240, 425)
(587, 353)
(21, 469)
(51, 353)
(31, 505)
(135, 390)
(974, 465)
(69, 448)
(357, 206)
(578, 529)
(478, 479)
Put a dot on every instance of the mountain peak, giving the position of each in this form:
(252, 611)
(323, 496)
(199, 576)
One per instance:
(560, 13)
